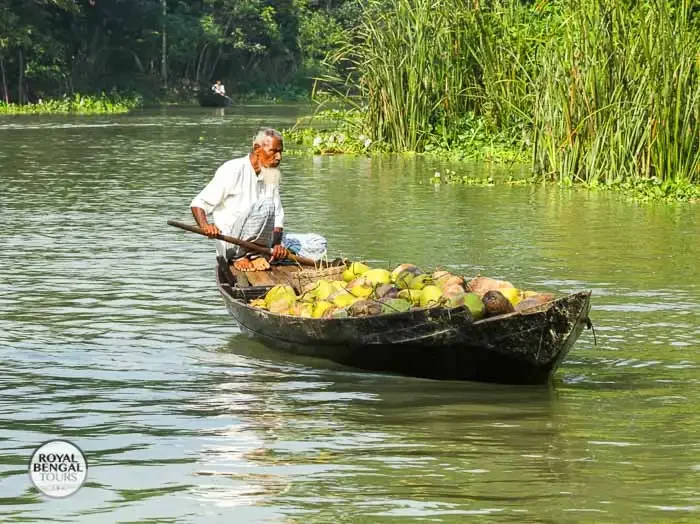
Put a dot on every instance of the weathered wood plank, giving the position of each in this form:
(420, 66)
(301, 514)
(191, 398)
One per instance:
(275, 275)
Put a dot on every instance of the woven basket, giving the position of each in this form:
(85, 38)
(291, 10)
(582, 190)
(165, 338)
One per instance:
(306, 276)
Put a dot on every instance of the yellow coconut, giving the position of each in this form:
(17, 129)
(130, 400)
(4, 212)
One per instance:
(378, 276)
(403, 279)
(401, 268)
(431, 296)
(258, 302)
(511, 294)
(360, 287)
(420, 281)
(301, 309)
(355, 270)
(281, 305)
(343, 300)
(412, 295)
(454, 300)
(279, 291)
(339, 284)
(320, 308)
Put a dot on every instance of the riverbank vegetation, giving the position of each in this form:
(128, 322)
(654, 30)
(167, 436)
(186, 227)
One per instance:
(599, 93)
(602, 93)
(77, 104)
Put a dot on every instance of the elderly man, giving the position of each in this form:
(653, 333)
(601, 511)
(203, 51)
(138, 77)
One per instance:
(244, 201)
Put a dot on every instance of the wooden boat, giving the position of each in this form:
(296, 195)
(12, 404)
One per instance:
(211, 99)
(439, 343)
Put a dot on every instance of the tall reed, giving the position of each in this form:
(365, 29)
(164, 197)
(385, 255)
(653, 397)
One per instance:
(605, 91)
(406, 59)
(420, 65)
(617, 97)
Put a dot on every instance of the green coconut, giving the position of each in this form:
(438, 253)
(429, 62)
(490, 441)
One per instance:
(339, 284)
(475, 305)
(395, 305)
(259, 303)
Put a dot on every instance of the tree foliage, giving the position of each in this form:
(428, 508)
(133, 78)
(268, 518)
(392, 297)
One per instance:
(50, 48)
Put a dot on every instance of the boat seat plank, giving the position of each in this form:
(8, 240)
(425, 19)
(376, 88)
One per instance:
(272, 277)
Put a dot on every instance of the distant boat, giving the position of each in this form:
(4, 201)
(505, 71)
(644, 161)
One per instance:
(211, 99)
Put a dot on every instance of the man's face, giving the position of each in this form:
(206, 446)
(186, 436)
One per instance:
(270, 153)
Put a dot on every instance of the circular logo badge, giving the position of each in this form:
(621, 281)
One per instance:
(58, 468)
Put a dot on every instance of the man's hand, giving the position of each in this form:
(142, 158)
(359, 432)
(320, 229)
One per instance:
(278, 253)
(210, 230)
(201, 218)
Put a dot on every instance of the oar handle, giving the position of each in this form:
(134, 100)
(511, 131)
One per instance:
(244, 243)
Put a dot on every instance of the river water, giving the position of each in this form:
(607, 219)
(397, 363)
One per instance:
(113, 336)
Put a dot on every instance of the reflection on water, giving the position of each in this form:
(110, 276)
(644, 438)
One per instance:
(112, 335)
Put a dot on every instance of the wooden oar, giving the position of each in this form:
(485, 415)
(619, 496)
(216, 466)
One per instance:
(244, 243)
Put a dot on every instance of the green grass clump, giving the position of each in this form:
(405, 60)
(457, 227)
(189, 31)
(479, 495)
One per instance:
(77, 104)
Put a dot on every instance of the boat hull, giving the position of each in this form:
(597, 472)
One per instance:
(437, 343)
(213, 100)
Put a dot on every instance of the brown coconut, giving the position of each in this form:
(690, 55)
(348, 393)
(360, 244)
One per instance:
(534, 301)
(527, 304)
(495, 303)
(386, 291)
(364, 308)
(437, 275)
(482, 285)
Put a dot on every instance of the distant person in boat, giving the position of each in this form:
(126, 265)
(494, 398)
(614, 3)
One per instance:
(219, 88)
(243, 199)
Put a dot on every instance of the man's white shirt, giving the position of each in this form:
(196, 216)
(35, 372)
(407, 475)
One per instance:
(230, 195)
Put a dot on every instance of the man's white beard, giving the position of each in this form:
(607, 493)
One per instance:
(271, 176)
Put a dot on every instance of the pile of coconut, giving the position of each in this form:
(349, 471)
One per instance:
(368, 291)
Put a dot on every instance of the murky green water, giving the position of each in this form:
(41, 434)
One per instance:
(112, 335)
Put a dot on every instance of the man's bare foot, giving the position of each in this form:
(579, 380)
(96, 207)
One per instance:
(243, 264)
(257, 264)
(260, 264)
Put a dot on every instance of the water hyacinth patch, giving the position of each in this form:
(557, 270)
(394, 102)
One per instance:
(330, 132)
